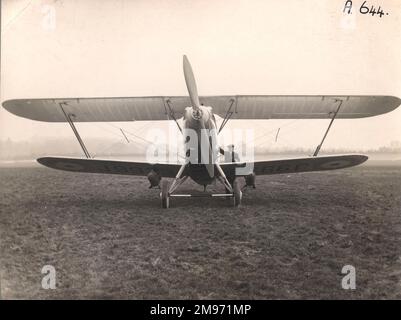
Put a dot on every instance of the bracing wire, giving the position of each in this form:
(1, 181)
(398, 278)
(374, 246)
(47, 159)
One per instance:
(273, 131)
(130, 133)
(121, 136)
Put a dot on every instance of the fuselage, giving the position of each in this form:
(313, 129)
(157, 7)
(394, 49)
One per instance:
(201, 147)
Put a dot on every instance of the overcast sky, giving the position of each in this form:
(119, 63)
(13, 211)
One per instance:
(134, 48)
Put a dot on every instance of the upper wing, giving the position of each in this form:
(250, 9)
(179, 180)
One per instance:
(296, 165)
(302, 107)
(240, 107)
(109, 166)
(97, 109)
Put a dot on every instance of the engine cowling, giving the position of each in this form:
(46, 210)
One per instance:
(154, 179)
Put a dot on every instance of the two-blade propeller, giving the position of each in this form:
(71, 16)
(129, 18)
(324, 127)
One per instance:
(191, 83)
(193, 95)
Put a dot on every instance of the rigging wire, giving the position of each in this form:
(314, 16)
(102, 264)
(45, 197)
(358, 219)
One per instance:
(273, 131)
(144, 141)
(13, 19)
(130, 133)
(108, 148)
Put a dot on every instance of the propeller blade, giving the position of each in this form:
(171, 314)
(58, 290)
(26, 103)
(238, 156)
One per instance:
(191, 83)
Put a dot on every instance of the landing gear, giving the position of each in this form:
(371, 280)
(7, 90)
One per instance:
(167, 191)
(237, 193)
(164, 195)
(233, 190)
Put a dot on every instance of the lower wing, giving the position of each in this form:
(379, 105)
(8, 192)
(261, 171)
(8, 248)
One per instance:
(110, 166)
(296, 165)
(170, 170)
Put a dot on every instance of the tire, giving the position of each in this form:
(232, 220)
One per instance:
(237, 193)
(164, 197)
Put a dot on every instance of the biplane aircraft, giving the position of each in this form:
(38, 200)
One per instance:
(198, 115)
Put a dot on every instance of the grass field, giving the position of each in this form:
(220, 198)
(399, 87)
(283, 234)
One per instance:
(107, 237)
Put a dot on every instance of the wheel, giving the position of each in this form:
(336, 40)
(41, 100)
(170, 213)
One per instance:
(237, 193)
(165, 199)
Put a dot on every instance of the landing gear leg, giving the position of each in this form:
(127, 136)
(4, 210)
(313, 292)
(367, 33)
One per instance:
(166, 191)
(164, 195)
(234, 188)
(222, 177)
(237, 193)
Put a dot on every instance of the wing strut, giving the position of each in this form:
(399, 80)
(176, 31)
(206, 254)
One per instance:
(228, 115)
(171, 114)
(328, 128)
(71, 123)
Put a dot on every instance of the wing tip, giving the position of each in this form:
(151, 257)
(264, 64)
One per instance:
(389, 104)
(362, 158)
(7, 104)
(43, 161)
(394, 103)
(18, 107)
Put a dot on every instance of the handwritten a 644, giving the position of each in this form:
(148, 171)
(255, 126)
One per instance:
(365, 8)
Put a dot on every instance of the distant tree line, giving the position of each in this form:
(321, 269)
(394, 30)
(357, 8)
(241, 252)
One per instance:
(23, 150)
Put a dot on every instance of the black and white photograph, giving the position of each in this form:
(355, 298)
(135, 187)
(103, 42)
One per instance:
(200, 150)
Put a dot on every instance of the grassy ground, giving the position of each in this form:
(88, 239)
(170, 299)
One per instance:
(107, 237)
